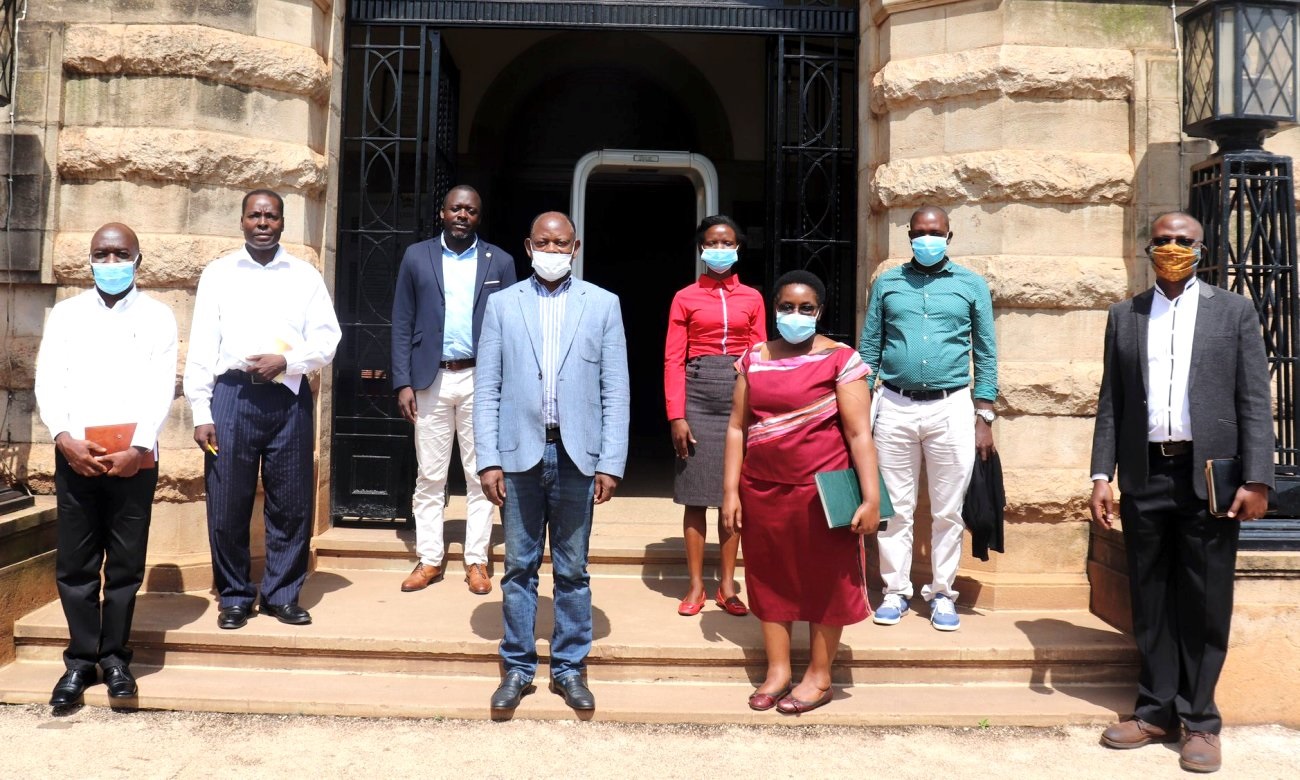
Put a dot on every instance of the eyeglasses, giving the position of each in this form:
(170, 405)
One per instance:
(1162, 240)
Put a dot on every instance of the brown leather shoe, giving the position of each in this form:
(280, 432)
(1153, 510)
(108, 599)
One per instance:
(1201, 752)
(420, 577)
(480, 584)
(1135, 733)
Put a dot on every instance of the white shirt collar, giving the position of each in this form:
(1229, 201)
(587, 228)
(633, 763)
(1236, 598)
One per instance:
(1190, 287)
(280, 256)
(472, 249)
(123, 303)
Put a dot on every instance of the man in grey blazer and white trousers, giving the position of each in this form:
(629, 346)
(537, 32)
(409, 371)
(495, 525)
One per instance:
(551, 415)
(443, 286)
(1185, 380)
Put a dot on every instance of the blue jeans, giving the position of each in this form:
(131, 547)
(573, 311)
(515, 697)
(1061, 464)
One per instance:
(553, 493)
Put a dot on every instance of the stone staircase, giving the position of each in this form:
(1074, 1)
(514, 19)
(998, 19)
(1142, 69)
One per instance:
(375, 651)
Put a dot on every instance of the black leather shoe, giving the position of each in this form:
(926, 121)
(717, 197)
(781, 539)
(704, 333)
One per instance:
(292, 614)
(511, 690)
(575, 692)
(120, 682)
(234, 617)
(70, 687)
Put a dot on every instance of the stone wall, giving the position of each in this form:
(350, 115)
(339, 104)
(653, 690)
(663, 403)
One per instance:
(162, 115)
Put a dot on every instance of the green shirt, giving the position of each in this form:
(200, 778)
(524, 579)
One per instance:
(922, 328)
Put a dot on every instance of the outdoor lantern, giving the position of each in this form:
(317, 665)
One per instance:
(1239, 70)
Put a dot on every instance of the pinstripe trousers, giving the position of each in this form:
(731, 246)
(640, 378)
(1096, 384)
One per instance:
(268, 429)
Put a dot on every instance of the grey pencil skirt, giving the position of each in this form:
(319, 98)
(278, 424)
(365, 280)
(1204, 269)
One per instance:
(710, 381)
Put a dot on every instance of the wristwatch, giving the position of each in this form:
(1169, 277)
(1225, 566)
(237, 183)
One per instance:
(987, 415)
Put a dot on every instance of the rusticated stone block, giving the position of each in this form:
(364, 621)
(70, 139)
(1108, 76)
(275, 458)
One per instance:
(170, 261)
(1030, 283)
(1007, 175)
(188, 156)
(1046, 494)
(1028, 335)
(192, 50)
(1049, 388)
(1029, 71)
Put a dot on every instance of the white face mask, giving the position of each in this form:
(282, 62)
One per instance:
(552, 266)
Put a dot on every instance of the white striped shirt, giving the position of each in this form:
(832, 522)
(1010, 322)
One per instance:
(550, 315)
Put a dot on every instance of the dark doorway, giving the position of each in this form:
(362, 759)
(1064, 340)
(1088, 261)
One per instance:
(639, 235)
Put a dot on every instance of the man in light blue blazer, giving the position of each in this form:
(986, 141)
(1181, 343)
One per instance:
(551, 408)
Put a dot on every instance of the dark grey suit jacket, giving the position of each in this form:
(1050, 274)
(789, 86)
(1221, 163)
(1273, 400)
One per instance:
(1228, 391)
(419, 307)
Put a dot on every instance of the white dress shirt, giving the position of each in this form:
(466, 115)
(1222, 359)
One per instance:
(102, 366)
(1169, 358)
(244, 308)
(550, 313)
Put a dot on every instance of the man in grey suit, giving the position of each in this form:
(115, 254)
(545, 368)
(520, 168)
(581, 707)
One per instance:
(551, 410)
(1185, 380)
(443, 287)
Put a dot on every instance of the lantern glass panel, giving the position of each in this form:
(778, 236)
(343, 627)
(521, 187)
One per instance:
(1267, 62)
(1225, 80)
(1198, 100)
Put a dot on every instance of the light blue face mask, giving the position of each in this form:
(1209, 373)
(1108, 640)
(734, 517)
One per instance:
(796, 328)
(113, 278)
(719, 259)
(929, 250)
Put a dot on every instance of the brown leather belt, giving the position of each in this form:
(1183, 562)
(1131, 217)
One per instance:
(457, 365)
(1171, 449)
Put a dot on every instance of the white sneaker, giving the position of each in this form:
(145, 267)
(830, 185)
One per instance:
(891, 610)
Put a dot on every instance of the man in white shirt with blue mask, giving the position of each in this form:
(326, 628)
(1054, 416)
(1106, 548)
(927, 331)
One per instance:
(105, 379)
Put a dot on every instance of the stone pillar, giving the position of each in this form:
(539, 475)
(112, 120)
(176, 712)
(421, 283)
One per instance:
(1049, 131)
(161, 115)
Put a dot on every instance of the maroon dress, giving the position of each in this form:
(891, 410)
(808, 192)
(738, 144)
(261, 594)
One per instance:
(797, 568)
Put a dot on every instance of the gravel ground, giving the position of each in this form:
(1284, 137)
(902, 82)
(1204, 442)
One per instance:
(100, 743)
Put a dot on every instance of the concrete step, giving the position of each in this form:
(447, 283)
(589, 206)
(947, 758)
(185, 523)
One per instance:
(178, 687)
(363, 623)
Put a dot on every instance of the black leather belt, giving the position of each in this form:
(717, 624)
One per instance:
(553, 435)
(1170, 449)
(245, 377)
(457, 365)
(925, 395)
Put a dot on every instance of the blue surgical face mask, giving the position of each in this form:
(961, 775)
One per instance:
(929, 250)
(796, 328)
(113, 278)
(719, 260)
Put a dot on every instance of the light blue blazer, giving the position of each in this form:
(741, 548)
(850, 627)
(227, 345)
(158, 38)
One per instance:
(592, 393)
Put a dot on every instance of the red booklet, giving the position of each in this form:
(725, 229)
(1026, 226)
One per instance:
(116, 438)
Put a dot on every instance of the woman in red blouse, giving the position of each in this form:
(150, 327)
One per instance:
(711, 323)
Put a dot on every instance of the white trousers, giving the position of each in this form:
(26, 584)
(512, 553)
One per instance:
(445, 411)
(943, 433)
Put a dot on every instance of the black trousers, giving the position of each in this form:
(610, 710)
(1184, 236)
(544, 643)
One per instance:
(261, 429)
(1181, 564)
(103, 525)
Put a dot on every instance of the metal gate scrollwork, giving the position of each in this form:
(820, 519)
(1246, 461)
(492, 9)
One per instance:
(812, 197)
(399, 145)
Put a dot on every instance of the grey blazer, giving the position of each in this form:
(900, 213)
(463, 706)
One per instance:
(1228, 391)
(592, 390)
(419, 307)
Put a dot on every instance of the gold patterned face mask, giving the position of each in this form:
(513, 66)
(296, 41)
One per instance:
(1174, 263)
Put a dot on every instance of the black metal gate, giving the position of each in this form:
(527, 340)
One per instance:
(811, 166)
(399, 148)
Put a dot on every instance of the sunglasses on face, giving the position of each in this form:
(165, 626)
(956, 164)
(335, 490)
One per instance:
(1162, 240)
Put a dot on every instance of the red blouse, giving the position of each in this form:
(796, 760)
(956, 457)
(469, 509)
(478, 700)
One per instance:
(709, 317)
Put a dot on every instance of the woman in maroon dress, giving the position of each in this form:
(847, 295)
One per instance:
(800, 408)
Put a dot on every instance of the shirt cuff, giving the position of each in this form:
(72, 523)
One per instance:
(1096, 477)
(202, 414)
(144, 438)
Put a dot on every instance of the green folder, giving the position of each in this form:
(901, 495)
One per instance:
(841, 497)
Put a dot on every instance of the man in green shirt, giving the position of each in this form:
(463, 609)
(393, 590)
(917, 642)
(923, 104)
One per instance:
(926, 320)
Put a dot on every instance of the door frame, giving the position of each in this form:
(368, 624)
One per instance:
(695, 167)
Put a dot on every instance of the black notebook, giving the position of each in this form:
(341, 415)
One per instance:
(1222, 478)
